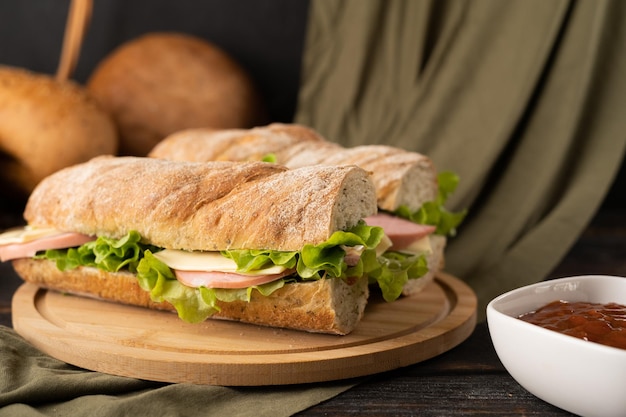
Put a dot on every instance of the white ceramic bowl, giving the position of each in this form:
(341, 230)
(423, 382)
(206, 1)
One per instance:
(581, 377)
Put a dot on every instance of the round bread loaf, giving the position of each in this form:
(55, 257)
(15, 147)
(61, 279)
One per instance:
(160, 83)
(46, 125)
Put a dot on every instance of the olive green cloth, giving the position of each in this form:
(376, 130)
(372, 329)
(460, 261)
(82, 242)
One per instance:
(35, 384)
(524, 99)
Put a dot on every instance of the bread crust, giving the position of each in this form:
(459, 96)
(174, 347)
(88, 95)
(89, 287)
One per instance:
(46, 125)
(203, 206)
(401, 177)
(323, 306)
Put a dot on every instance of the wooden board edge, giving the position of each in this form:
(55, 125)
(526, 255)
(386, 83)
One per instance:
(295, 368)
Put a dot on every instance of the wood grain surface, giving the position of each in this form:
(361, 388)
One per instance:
(154, 345)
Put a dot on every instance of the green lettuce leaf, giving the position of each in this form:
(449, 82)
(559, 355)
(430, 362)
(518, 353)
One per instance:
(108, 254)
(326, 261)
(433, 212)
(270, 157)
(253, 260)
(112, 255)
(193, 305)
(314, 261)
(393, 271)
(390, 271)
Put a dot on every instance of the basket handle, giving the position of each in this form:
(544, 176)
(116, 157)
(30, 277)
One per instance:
(77, 21)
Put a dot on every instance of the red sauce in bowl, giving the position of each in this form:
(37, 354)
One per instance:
(599, 323)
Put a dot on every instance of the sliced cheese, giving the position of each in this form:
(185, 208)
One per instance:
(384, 244)
(27, 234)
(420, 246)
(206, 261)
(213, 261)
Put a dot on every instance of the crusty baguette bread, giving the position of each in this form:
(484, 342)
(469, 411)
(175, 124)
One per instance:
(207, 144)
(324, 306)
(401, 177)
(203, 206)
(46, 125)
(208, 206)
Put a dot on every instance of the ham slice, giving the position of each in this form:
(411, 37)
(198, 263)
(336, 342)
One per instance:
(216, 279)
(402, 232)
(29, 249)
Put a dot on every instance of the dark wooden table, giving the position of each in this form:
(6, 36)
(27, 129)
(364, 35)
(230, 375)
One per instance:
(467, 380)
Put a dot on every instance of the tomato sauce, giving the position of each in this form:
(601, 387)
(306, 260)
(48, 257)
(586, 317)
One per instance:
(595, 322)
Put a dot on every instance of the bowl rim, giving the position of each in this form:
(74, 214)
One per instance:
(493, 312)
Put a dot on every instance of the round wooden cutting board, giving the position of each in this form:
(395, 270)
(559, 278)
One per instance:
(158, 346)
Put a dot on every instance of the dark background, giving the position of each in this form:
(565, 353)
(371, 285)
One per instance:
(265, 36)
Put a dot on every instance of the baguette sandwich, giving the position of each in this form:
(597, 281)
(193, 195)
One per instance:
(244, 241)
(410, 193)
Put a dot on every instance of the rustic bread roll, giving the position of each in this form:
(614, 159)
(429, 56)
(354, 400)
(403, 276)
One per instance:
(160, 83)
(323, 306)
(401, 177)
(46, 125)
(203, 206)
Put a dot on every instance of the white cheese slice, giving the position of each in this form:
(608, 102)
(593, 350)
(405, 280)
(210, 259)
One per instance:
(384, 244)
(420, 246)
(206, 261)
(26, 234)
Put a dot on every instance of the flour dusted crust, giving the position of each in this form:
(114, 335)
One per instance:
(203, 206)
(207, 144)
(401, 177)
(324, 306)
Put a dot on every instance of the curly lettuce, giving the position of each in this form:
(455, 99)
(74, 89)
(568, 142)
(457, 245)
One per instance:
(313, 262)
(108, 254)
(193, 305)
(433, 212)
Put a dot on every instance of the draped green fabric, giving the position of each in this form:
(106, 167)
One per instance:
(524, 99)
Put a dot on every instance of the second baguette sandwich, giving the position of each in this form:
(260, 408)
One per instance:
(408, 188)
(253, 242)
